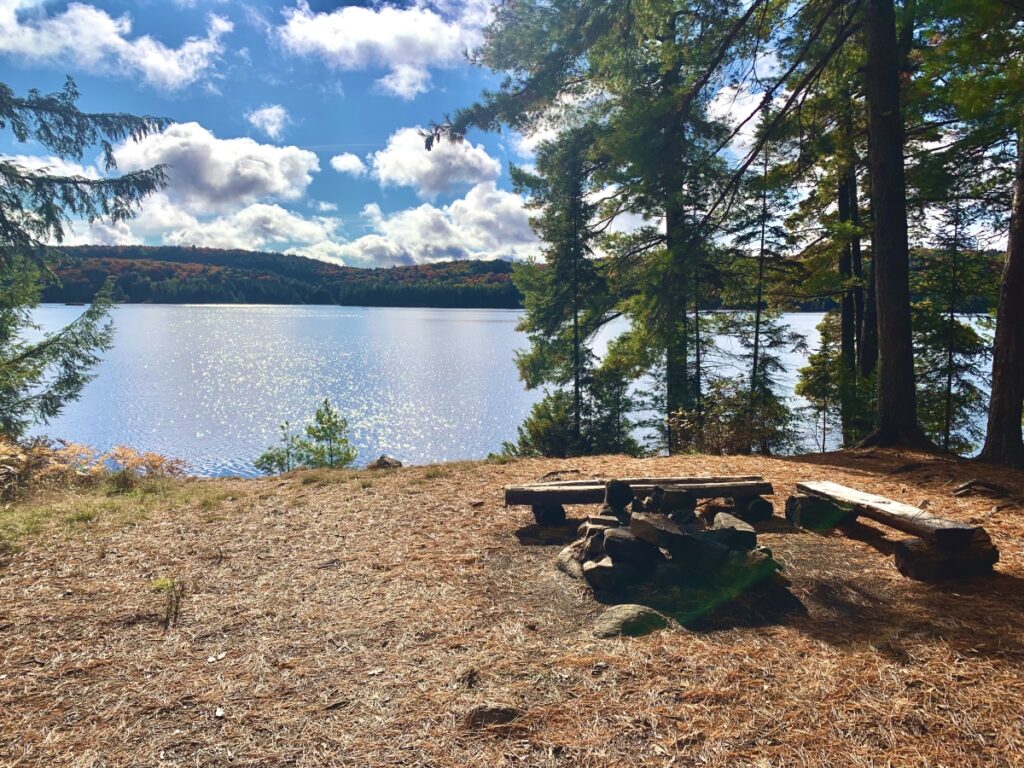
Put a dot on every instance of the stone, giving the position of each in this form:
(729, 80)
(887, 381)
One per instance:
(491, 714)
(384, 462)
(628, 620)
(621, 545)
(570, 560)
(814, 513)
(733, 532)
(753, 509)
(593, 546)
(588, 529)
(608, 521)
(696, 551)
(700, 553)
(607, 575)
(654, 528)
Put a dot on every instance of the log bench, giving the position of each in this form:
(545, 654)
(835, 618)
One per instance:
(944, 549)
(547, 498)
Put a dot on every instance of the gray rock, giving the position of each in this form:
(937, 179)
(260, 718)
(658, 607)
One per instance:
(628, 620)
(384, 462)
(588, 529)
(621, 545)
(593, 547)
(607, 575)
(734, 533)
(654, 528)
(570, 559)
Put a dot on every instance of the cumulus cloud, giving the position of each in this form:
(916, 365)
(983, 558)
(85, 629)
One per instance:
(258, 226)
(406, 41)
(271, 119)
(486, 223)
(405, 163)
(85, 37)
(207, 173)
(348, 163)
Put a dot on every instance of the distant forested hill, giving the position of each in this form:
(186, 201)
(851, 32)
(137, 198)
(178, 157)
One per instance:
(171, 274)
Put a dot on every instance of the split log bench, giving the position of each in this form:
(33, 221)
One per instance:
(944, 549)
(675, 493)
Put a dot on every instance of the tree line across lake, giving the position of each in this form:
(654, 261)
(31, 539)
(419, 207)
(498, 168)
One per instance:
(172, 274)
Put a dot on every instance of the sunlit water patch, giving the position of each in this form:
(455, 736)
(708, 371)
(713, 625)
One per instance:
(211, 383)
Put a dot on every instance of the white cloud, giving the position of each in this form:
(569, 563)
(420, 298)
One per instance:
(407, 41)
(54, 166)
(405, 82)
(83, 36)
(256, 227)
(348, 163)
(325, 207)
(211, 174)
(525, 145)
(732, 105)
(404, 162)
(271, 119)
(486, 223)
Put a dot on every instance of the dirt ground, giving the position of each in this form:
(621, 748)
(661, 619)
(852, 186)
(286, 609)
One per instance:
(354, 618)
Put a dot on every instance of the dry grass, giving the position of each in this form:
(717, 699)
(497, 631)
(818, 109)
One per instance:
(353, 618)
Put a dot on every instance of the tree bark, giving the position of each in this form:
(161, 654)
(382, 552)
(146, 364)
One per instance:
(1003, 441)
(674, 300)
(847, 324)
(897, 400)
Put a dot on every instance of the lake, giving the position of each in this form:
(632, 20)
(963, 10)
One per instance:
(211, 383)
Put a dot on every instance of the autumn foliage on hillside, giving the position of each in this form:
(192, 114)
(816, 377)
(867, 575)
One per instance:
(171, 274)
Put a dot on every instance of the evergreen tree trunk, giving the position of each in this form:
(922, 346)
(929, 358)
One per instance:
(1003, 441)
(677, 389)
(857, 260)
(577, 394)
(867, 350)
(897, 401)
(947, 420)
(847, 325)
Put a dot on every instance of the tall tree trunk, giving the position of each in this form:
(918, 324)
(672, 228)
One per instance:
(577, 363)
(1003, 441)
(847, 325)
(758, 307)
(858, 261)
(947, 419)
(897, 401)
(674, 301)
(867, 351)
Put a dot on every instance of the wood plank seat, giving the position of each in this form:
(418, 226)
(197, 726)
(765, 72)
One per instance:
(678, 489)
(651, 480)
(940, 531)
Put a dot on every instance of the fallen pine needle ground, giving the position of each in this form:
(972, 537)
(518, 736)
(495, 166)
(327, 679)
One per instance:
(355, 618)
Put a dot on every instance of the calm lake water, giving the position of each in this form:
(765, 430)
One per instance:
(211, 383)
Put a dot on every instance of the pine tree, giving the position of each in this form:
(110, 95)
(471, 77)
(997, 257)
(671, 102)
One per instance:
(37, 378)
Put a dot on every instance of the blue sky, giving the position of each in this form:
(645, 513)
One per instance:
(295, 122)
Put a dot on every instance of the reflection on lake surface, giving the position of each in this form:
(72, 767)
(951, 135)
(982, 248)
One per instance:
(211, 383)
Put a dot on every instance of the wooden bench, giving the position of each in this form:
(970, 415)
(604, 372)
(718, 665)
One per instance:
(547, 498)
(944, 548)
